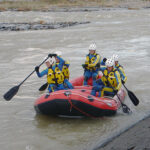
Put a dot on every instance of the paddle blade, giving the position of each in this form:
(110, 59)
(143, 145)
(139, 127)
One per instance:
(126, 109)
(43, 87)
(8, 96)
(133, 98)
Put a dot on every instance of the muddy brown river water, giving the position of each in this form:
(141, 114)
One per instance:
(119, 31)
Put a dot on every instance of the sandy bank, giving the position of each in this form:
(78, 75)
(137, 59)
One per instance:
(67, 5)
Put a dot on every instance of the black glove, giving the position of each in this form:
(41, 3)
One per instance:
(123, 82)
(104, 59)
(98, 81)
(100, 87)
(54, 55)
(84, 65)
(98, 65)
(37, 68)
(50, 55)
(115, 91)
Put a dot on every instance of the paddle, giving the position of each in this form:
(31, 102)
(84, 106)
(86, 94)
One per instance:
(125, 108)
(43, 87)
(13, 91)
(133, 98)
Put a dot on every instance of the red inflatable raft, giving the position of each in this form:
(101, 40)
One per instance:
(78, 102)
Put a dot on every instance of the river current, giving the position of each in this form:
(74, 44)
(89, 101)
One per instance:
(115, 31)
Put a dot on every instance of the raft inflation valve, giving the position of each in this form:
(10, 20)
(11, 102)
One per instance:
(83, 90)
(109, 104)
(91, 99)
(47, 95)
(67, 93)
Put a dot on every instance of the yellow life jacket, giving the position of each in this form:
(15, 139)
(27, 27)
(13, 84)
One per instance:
(65, 72)
(121, 71)
(92, 63)
(55, 76)
(109, 79)
(118, 66)
(59, 75)
(51, 76)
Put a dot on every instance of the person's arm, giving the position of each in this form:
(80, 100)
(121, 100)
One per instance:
(102, 68)
(67, 64)
(118, 79)
(122, 73)
(41, 74)
(97, 60)
(87, 59)
(61, 62)
(103, 61)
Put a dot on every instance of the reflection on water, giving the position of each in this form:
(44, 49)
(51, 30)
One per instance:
(73, 132)
(123, 32)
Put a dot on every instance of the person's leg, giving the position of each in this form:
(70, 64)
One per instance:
(95, 89)
(69, 85)
(111, 94)
(60, 87)
(87, 75)
(105, 89)
(51, 88)
(94, 77)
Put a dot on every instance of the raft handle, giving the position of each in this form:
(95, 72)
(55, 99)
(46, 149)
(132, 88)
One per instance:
(67, 93)
(47, 95)
(91, 99)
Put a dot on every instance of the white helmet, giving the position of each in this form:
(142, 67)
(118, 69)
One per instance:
(109, 62)
(115, 57)
(92, 47)
(52, 60)
(47, 59)
(59, 53)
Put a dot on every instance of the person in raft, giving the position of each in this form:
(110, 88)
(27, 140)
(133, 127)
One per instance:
(92, 64)
(119, 68)
(55, 77)
(65, 71)
(110, 82)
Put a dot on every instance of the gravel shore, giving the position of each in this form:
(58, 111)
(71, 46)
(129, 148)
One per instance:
(136, 138)
(36, 26)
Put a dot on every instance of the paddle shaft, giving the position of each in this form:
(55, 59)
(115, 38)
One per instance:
(125, 87)
(125, 108)
(13, 91)
(32, 72)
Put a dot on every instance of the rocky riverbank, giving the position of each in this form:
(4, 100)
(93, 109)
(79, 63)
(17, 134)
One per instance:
(136, 138)
(36, 26)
